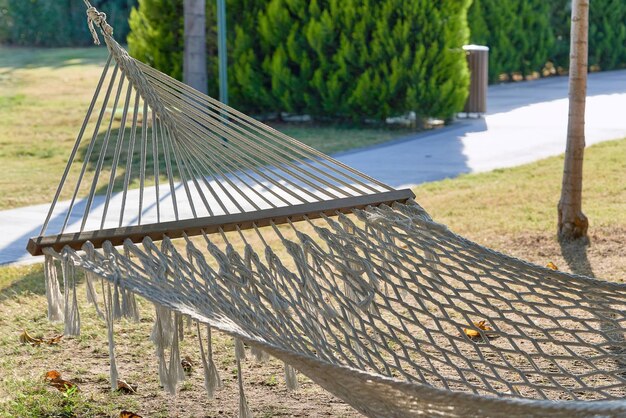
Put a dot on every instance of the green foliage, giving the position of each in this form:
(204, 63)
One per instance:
(517, 32)
(607, 34)
(57, 22)
(347, 60)
(361, 59)
(247, 81)
(157, 34)
(524, 35)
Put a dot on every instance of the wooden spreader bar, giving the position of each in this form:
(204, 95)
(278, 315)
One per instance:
(211, 224)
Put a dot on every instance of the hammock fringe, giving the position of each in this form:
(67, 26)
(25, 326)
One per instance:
(53, 292)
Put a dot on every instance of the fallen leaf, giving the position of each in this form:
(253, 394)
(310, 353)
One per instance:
(128, 414)
(474, 334)
(52, 374)
(125, 387)
(552, 266)
(63, 385)
(26, 338)
(54, 379)
(187, 364)
(54, 340)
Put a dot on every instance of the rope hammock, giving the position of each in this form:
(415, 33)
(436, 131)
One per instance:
(303, 258)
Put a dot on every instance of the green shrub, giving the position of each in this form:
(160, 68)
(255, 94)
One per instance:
(517, 32)
(332, 59)
(157, 34)
(361, 59)
(607, 34)
(524, 35)
(57, 22)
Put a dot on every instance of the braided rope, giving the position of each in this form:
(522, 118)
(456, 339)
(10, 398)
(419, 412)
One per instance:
(374, 308)
(380, 308)
(99, 19)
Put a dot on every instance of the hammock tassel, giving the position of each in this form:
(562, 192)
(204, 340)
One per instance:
(258, 354)
(180, 326)
(108, 308)
(165, 334)
(161, 334)
(91, 278)
(176, 373)
(129, 306)
(117, 307)
(240, 349)
(244, 409)
(72, 316)
(92, 296)
(53, 293)
(291, 378)
(212, 380)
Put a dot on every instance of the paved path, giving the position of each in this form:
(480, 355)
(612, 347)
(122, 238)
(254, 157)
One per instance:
(526, 122)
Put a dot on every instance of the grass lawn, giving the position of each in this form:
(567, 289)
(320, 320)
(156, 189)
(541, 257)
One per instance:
(44, 95)
(512, 210)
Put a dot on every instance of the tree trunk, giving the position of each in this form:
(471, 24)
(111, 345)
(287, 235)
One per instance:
(572, 222)
(194, 61)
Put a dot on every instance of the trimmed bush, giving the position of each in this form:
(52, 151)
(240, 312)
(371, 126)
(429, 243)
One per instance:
(524, 35)
(607, 33)
(333, 59)
(157, 34)
(517, 32)
(361, 59)
(57, 22)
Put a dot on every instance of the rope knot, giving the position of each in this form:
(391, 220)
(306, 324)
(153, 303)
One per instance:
(96, 18)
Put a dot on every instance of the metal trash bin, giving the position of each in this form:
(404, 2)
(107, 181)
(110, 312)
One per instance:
(478, 64)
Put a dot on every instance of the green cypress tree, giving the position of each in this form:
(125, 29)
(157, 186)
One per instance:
(607, 34)
(249, 86)
(607, 29)
(518, 33)
(156, 35)
(560, 16)
(358, 59)
(57, 22)
(533, 37)
(35, 23)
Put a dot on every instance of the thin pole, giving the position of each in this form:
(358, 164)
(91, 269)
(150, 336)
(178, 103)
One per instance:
(221, 50)
(194, 60)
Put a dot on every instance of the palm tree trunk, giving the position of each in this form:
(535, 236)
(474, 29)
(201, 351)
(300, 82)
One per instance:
(194, 61)
(572, 222)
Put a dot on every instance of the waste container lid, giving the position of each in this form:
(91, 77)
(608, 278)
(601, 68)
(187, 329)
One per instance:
(475, 48)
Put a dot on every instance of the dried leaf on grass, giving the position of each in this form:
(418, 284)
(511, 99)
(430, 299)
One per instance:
(475, 334)
(54, 379)
(52, 375)
(26, 338)
(552, 266)
(128, 414)
(125, 387)
(187, 364)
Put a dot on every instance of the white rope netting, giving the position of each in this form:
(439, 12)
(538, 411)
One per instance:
(383, 307)
(379, 304)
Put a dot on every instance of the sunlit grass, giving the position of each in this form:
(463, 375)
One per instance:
(44, 95)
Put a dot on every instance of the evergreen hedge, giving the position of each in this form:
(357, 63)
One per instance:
(607, 33)
(524, 35)
(350, 59)
(57, 22)
(517, 32)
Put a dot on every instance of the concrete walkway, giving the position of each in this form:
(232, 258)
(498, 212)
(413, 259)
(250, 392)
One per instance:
(526, 122)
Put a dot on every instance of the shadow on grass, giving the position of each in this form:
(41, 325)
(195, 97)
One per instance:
(30, 282)
(12, 58)
(575, 255)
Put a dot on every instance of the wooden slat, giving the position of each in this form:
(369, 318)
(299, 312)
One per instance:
(211, 224)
